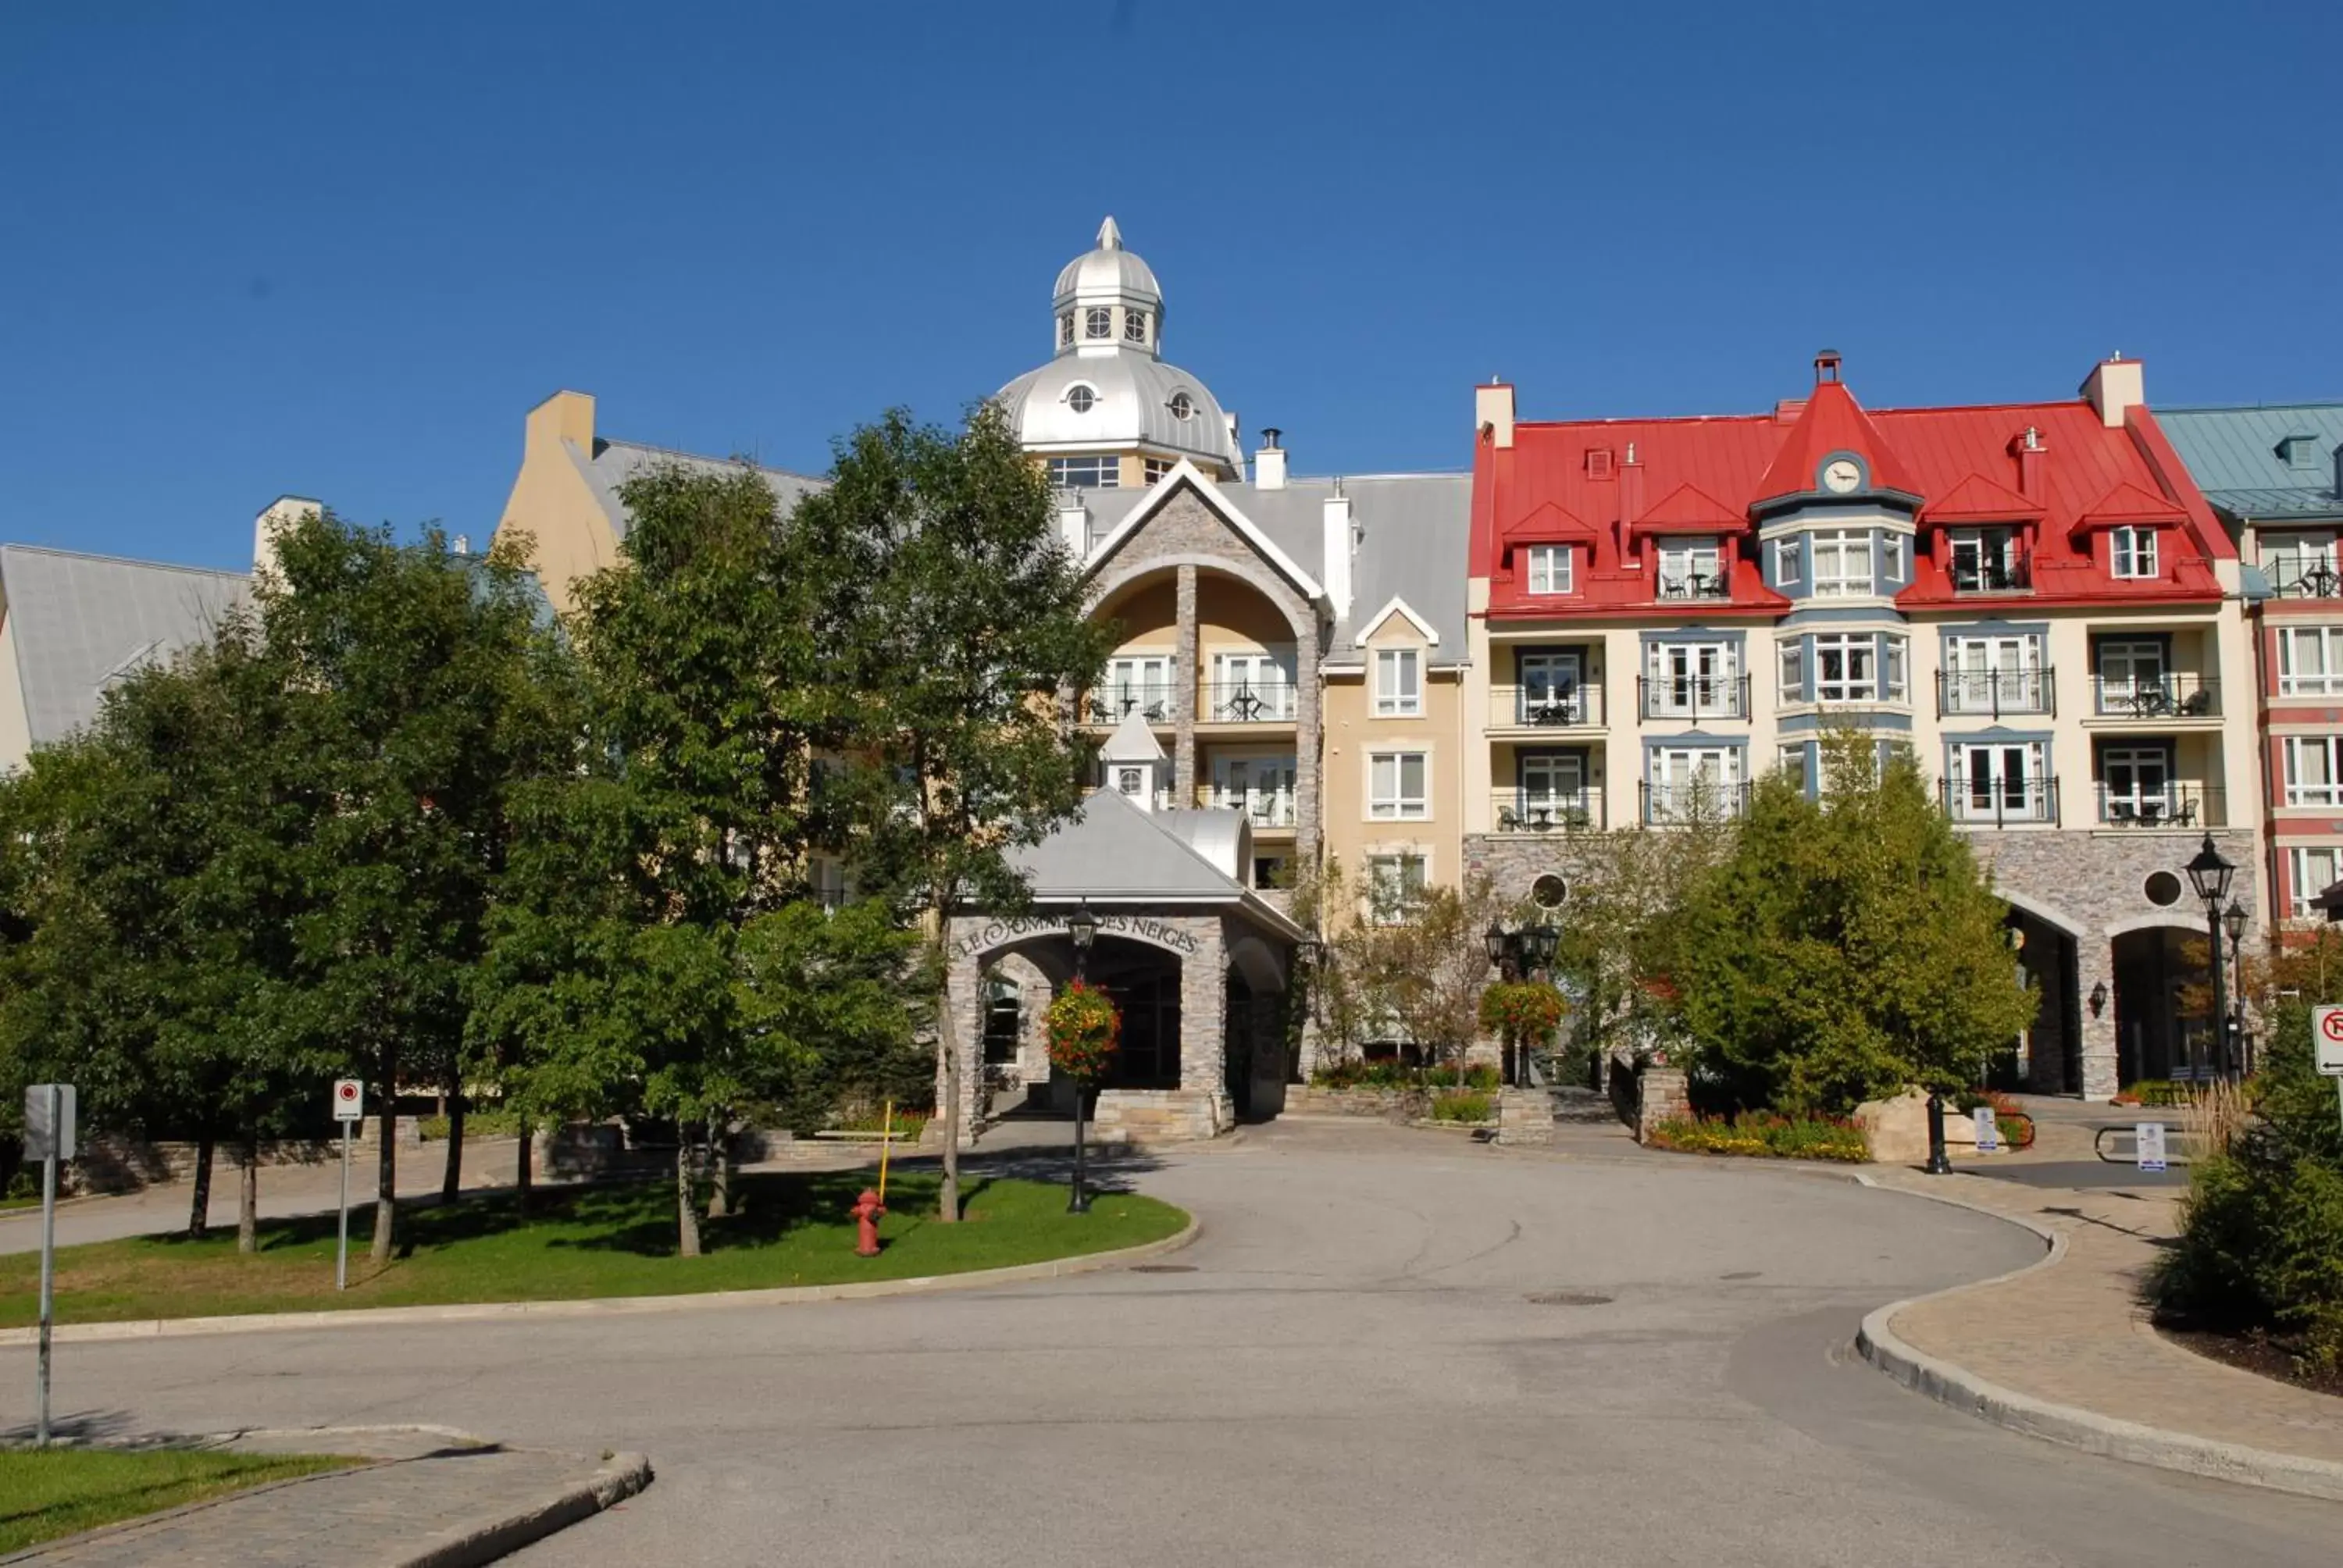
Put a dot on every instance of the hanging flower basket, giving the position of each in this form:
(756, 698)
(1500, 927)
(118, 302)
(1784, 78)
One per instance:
(1084, 1026)
(1525, 1013)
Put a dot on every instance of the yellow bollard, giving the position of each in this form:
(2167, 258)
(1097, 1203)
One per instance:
(886, 1145)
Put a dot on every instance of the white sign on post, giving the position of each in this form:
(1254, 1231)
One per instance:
(2326, 1039)
(2147, 1138)
(1988, 1132)
(349, 1100)
(43, 1138)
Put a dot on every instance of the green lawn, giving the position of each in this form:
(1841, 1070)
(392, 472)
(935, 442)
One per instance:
(49, 1492)
(613, 1240)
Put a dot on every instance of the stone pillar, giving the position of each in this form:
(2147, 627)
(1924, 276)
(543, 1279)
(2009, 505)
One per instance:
(2095, 965)
(964, 988)
(1309, 748)
(1203, 1012)
(1524, 1116)
(1185, 675)
(1661, 1095)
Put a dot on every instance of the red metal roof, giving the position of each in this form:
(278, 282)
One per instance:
(1962, 463)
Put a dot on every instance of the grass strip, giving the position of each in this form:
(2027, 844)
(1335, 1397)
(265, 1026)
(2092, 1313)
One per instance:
(49, 1492)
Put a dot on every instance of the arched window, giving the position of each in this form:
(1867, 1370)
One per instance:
(1135, 326)
(1098, 322)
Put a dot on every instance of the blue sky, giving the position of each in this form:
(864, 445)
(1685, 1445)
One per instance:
(248, 249)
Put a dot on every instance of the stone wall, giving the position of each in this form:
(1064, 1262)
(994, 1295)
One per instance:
(1391, 1104)
(1152, 1116)
(111, 1164)
(1661, 1095)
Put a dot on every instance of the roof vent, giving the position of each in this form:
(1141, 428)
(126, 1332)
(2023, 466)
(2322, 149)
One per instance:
(1825, 366)
(1598, 462)
(1787, 410)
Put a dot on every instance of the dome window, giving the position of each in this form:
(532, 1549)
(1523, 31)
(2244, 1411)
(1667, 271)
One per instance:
(1080, 398)
(1182, 406)
(1099, 322)
(1135, 326)
(1065, 329)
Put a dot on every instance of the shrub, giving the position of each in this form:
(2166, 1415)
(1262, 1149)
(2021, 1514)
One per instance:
(1463, 1105)
(476, 1124)
(2261, 1241)
(1758, 1132)
(907, 1123)
(2157, 1092)
(1355, 1074)
(1479, 1075)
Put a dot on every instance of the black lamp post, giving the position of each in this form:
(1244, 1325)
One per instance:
(2210, 874)
(1082, 927)
(2234, 919)
(1501, 947)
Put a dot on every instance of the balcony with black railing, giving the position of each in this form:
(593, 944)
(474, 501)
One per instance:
(1248, 702)
(2166, 695)
(2172, 804)
(1673, 587)
(1111, 705)
(1559, 809)
(1990, 574)
(2000, 802)
(1690, 697)
(1561, 705)
(1995, 693)
(1270, 809)
(1695, 800)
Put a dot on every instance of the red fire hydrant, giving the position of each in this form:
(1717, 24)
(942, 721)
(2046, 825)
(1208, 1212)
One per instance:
(866, 1211)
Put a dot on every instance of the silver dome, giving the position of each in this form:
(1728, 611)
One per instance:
(1107, 271)
(1130, 404)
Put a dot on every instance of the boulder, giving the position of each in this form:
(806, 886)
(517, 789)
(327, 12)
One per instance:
(1897, 1129)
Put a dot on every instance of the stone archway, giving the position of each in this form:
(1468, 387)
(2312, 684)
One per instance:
(2154, 959)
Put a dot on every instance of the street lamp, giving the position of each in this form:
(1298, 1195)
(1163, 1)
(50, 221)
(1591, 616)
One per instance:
(1082, 927)
(2234, 919)
(1500, 943)
(2210, 874)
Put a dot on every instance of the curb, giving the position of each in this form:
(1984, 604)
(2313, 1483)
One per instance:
(622, 1476)
(2133, 1443)
(604, 1306)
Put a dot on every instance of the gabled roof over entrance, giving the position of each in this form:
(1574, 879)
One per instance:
(1111, 852)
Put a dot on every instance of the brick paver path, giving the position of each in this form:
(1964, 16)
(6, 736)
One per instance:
(386, 1514)
(2076, 1335)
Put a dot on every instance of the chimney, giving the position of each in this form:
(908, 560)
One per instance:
(2029, 449)
(1336, 574)
(463, 544)
(1074, 524)
(284, 512)
(1493, 413)
(1826, 365)
(1268, 463)
(1631, 487)
(2115, 387)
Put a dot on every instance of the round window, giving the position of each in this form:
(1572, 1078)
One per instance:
(1098, 322)
(2163, 889)
(1081, 399)
(1549, 891)
(1135, 326)
(1182, 405)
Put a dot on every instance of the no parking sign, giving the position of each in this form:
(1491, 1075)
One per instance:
(2326, 1036)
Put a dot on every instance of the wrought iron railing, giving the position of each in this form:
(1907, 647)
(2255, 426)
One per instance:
(1999, 802)
(1558, 705)
(2174, 694)
(2172, 804)
(1249, 703)
(1113, 704)
(2010, 574)
(1546, 809)
(1693, 696)
(1992, 693)
(1693, 801)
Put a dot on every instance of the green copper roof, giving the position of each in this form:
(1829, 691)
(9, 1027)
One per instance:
(2267, 462)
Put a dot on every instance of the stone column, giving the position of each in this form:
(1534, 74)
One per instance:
(963, 987)
(1185, 676)
(1203, 1013)
(1309, 748)
(2094, 965)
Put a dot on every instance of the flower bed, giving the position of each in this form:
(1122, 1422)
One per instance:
(1763, 1134)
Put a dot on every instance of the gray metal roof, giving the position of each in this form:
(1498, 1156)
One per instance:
(2233, 455)
(613, 463)
(80, 623)
(1112, 850)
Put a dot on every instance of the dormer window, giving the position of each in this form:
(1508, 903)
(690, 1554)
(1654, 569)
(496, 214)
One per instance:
(1549, 569)
(1098, 322)
(1066, 330)
(1135, 326)
(1182, 406)
(2299, 451)
(1080, 398)
(2132, 552)
(1691, 569)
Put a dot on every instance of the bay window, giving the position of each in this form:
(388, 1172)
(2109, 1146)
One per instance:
(1846, 667)
(1842, 564)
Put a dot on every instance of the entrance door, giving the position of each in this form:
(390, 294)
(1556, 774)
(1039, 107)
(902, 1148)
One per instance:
(1689, 680)
(1994, 675)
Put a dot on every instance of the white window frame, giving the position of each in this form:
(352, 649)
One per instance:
(1986, 673)
(1848, 687)
(1787, 570)
(1262, 787)
(1388, 890)
(2302, 885)
(1997, 794)
(1670, 769)
(1847, 552)
(2328, 791)
(2327, 679)
(1891, 557)
(1086, 473)
(1550, 569)
(1389, 798)
(1692, 679)
(2131, 552)
(1146, 680)
(1267, 674)
(2143, 801)
(1791, 673)
(1896, 659)
(1098, 324)
(1398, 683)
(2286, 557)
(1681, 559)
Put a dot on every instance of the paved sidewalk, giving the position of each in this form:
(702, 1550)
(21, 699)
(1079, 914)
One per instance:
(2072, 1333)
(429, 1500)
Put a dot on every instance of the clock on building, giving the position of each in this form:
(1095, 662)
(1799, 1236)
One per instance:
(1841, 476)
